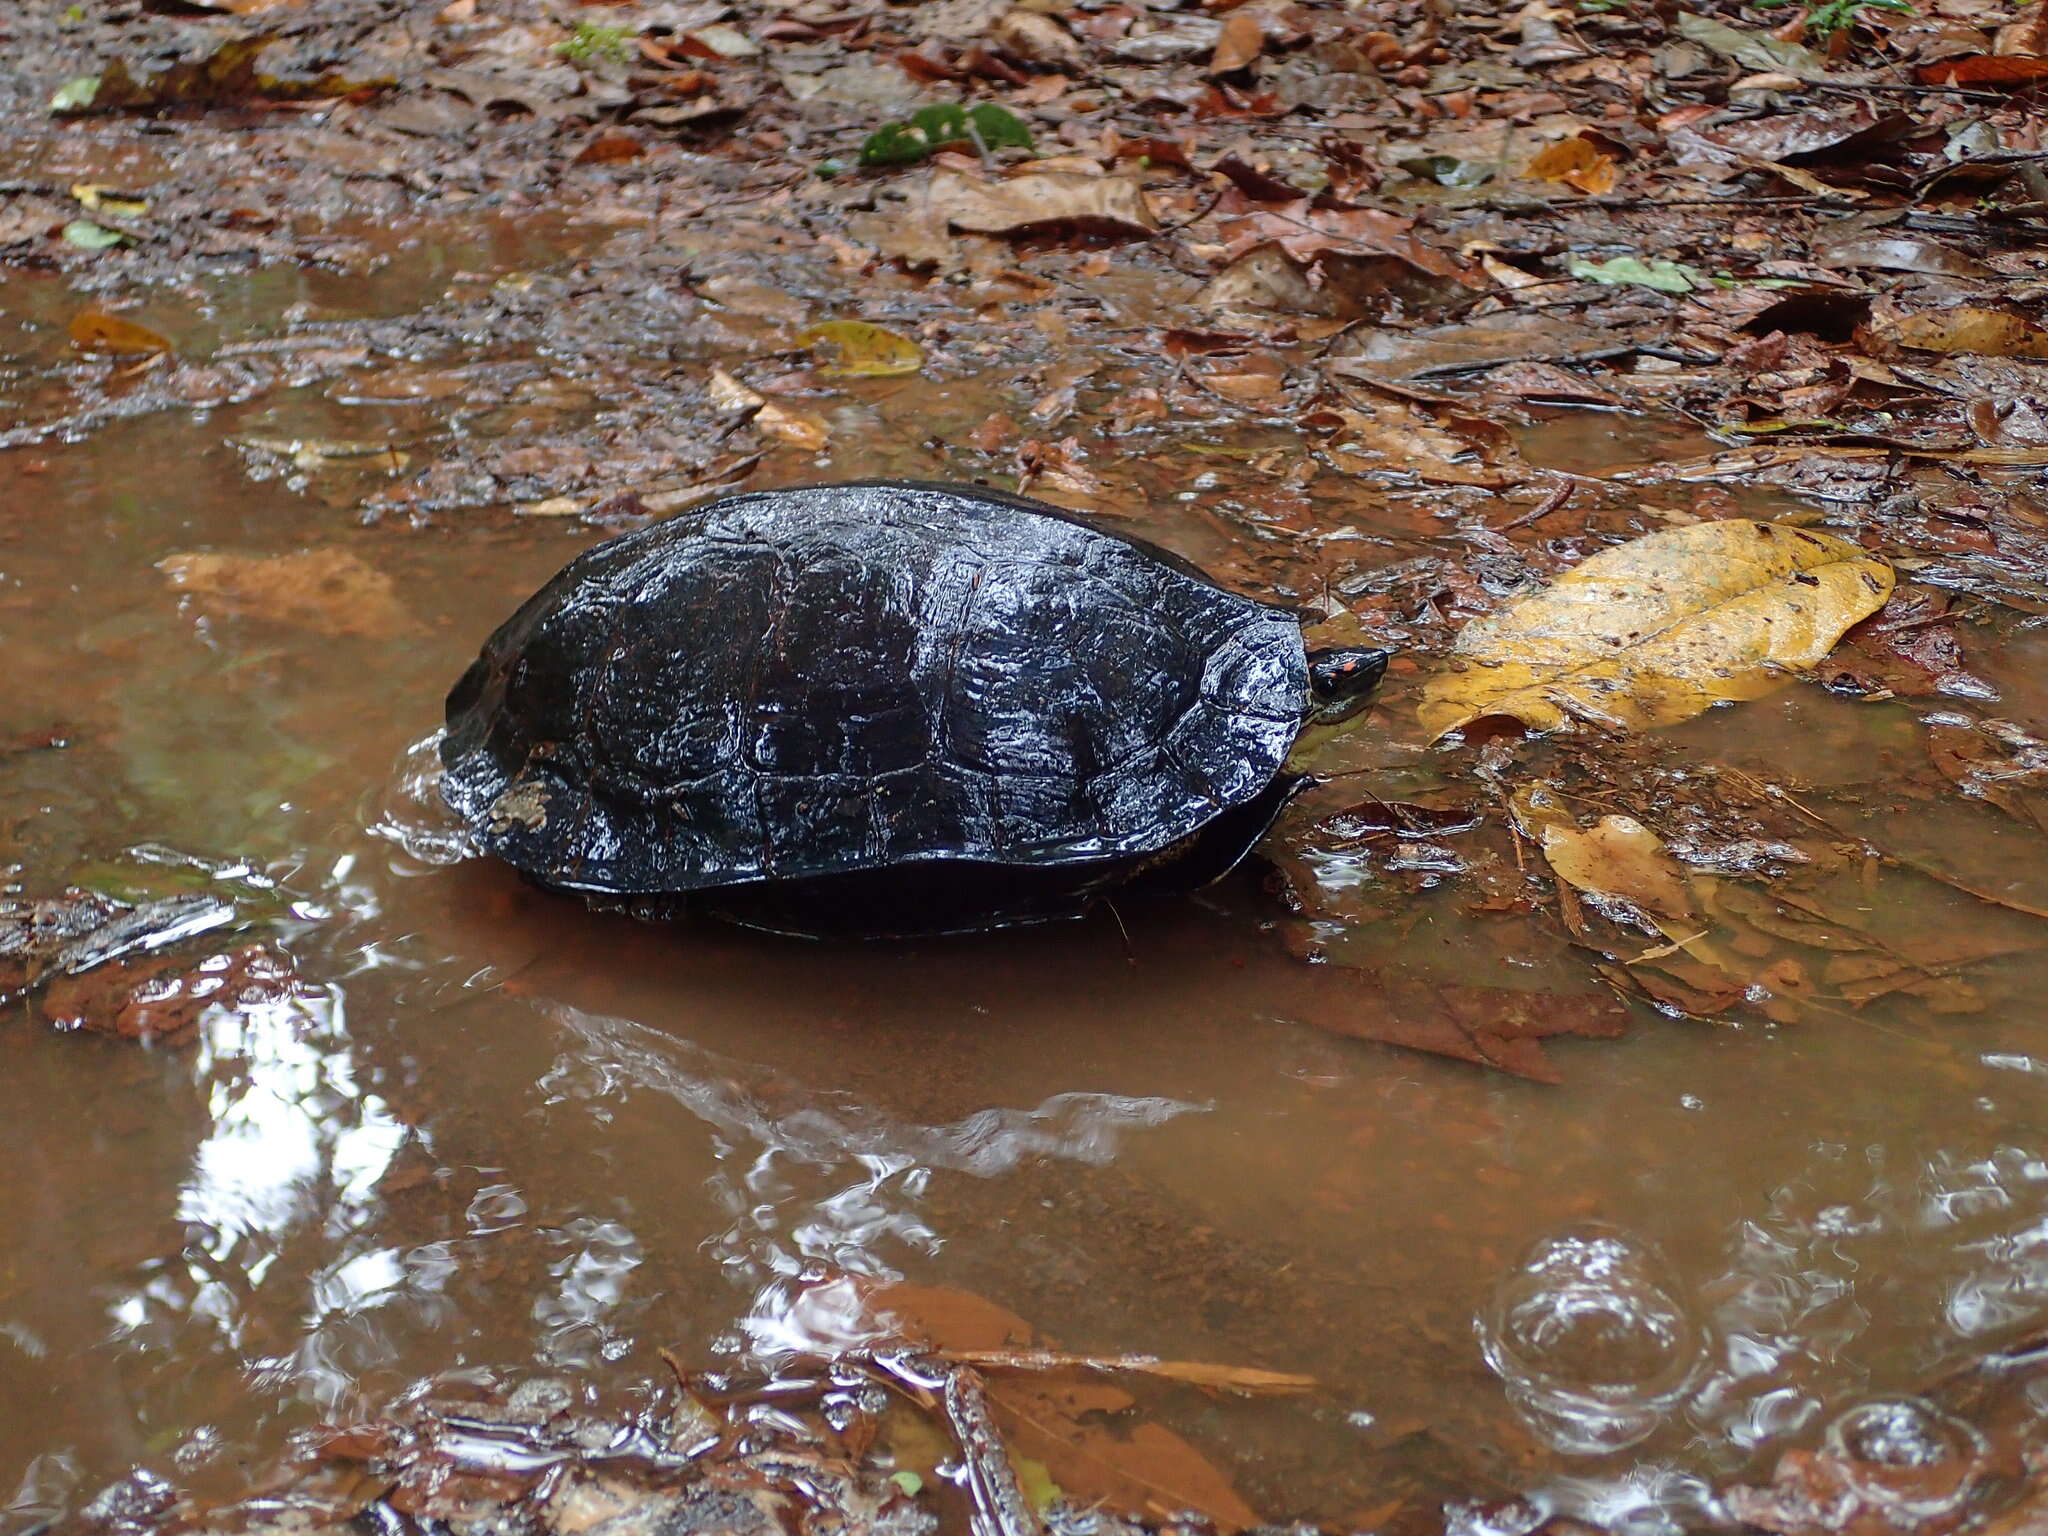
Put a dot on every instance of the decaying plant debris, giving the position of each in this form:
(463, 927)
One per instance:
(1307, 274)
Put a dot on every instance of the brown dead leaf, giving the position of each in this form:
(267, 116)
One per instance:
(1242, 39)
(798, 428)
(1395, 438)
(162, 999)
(1995, 761)
(2014, 69)
(1621, 859)
(1577, 162)
(1085, 1432)
(1265, 277)
(610, 148)
(329, 591)
(728, 396)
(1307, 233)
(1966, 328)
(1487, 1026)
(1035, 38)
(1097, 205)
(92, 331)
(1253, 378)
(1056, 466)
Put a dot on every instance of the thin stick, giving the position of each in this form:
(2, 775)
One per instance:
(1551, 503)
(1228, 1378)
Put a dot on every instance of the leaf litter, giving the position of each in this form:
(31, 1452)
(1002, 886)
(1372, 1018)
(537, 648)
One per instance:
(1810, 242)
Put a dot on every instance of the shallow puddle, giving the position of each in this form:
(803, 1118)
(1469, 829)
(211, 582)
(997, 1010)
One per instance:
(488, 1134)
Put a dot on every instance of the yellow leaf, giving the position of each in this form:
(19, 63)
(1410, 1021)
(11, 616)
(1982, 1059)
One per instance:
(97, 198)
(92, 331)
(1576, 161)
(800, 429)
(1658, 629)
(855, 348)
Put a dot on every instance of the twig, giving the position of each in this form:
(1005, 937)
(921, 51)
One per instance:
(1899, 860)
(1000, 1508)
(1551, 503)
(1228, 1378)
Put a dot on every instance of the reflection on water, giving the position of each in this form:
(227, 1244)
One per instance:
(812, 1182)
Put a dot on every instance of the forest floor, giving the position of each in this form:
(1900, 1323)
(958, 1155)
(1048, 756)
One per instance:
(1317, 270)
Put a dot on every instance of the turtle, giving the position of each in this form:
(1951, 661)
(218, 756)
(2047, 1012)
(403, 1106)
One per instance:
(884, 708)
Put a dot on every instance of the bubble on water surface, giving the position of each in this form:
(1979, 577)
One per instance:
(1904, 1457)
(1589, 1338)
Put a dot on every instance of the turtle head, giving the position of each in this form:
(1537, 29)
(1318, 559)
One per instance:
(1341, 681)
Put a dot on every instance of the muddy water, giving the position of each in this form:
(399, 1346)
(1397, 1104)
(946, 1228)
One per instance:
(492, 1135)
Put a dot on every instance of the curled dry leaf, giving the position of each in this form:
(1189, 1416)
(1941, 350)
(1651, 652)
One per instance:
(1657, 630)
(1101, 205)
(1577, 162)
(787, 424)
(728, 396)
(1036, 39)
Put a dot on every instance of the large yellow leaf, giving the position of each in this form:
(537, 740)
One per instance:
(1654, 631)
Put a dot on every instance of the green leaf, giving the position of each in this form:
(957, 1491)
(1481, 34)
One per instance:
(987, 127)
(894, 144)
(908, 1481)
(76, 94)
(999, 128)
(1664, 276)
(94, 237)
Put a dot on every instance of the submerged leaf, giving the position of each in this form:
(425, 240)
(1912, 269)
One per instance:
(1621, 859)
(861, 350)
(1657, 630)
(91, 331)
(329, 591)
(1085, 1435)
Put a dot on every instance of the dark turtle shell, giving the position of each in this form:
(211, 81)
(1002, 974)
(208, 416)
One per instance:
(800, 684)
